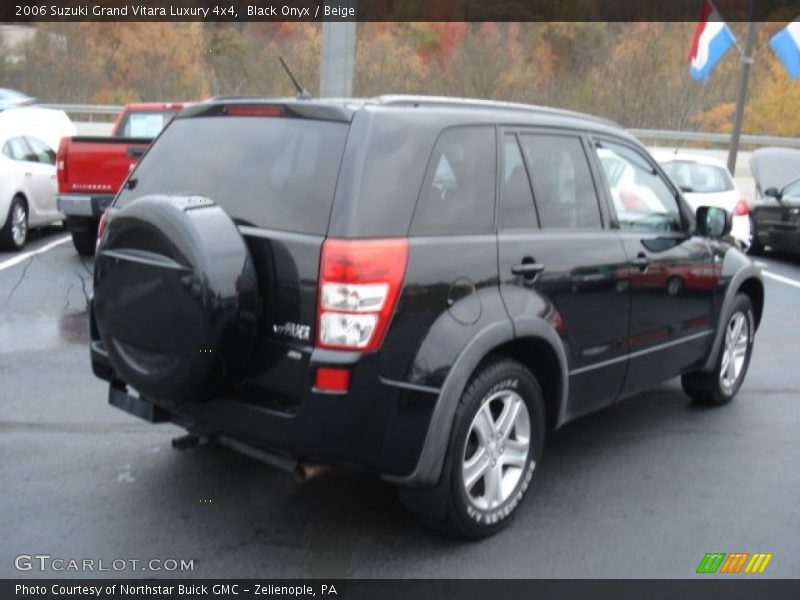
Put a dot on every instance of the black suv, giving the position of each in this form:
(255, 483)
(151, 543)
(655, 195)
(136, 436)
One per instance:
(419, 287)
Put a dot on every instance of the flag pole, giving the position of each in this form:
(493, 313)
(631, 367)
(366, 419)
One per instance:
(747, 61)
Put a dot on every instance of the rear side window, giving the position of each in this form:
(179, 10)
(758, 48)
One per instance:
(16, 149)
(276, 173)
(43, 154)
(458, 192)
(562, 182)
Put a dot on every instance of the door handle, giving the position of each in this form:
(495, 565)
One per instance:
(641, 261)
(27, 174)
(527, 268)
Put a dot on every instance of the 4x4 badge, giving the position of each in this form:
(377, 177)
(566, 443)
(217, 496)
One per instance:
(293, 330)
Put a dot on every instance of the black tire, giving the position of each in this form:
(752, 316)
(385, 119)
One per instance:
(448, 506)
(708, 388)
(755, 248)
(674, 285)
(85, 241)
(7, 241)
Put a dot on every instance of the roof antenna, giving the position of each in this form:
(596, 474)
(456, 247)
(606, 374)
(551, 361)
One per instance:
(302, 93)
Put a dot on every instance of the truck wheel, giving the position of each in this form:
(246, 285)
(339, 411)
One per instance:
(84, 235)
(495, 445)
(15, 231)
(720, 386)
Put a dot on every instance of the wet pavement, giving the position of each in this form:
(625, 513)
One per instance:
(642, 489)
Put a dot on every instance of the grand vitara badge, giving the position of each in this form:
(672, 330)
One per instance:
(293, 330)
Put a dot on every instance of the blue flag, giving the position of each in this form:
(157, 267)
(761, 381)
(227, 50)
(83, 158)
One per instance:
(786, 44)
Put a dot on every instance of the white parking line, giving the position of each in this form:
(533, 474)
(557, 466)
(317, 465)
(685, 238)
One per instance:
(781, 278)
(7, 264)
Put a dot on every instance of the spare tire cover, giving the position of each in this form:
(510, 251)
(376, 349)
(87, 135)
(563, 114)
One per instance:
(175, 297)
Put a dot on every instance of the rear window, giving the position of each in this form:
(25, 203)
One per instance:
(276, 173)
(145, 124)
(699, 178)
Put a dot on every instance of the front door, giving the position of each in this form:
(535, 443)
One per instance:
(671, 273)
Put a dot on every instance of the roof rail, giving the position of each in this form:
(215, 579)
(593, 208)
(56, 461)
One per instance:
(445, 101)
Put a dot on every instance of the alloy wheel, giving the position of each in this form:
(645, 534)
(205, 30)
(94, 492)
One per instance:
(496, 450)
(737, 338)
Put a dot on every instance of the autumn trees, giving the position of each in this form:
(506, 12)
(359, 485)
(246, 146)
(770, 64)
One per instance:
(634, 73)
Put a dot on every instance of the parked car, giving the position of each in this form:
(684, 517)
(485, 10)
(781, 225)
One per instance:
(776, 214)
(28, 172)
(706, 181)
(419, 287)
(14, 99)
(91, 169)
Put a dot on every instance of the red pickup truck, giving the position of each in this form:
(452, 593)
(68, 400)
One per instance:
(92, 169)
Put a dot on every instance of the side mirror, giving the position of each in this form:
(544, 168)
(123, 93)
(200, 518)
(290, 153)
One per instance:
(772, 193)
(713, 222)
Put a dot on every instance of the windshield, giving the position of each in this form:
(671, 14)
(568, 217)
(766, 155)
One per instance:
(699, 178)
(276, 173)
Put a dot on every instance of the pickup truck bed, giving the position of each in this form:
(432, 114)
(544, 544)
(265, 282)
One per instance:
(91, 170)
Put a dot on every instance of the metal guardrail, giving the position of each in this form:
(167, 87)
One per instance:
(646, 134)
(714, 138)
(86, 109)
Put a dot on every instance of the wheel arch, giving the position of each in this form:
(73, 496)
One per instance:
(534, 343)
(746, 278)
(754, 288)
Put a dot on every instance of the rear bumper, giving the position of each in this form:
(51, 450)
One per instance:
(378, 425)
(83, 205)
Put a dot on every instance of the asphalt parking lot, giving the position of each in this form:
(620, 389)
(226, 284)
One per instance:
(643, 489)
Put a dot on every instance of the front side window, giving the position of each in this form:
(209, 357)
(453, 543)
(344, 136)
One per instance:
(641, 198)
(458, 192)
(792, 190)
(563, 188)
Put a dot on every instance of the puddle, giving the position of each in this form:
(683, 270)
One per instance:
(26, 332)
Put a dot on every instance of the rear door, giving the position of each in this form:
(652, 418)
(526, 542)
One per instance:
(671, 273)
(560, 261)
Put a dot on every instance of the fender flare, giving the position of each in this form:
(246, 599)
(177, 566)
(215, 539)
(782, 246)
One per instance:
(431, 461)
(742, 274)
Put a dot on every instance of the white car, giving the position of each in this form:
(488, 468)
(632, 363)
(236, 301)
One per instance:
(706, 181)
(28, 138)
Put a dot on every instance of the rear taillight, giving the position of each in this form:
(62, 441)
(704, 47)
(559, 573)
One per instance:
(359, 283)
(741, 208)
(101, 227)
(61, 165)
